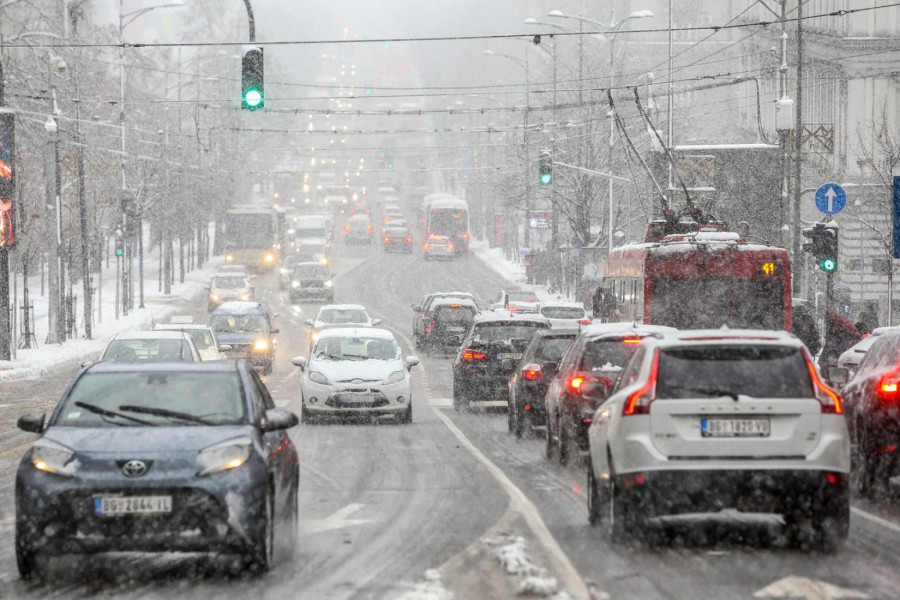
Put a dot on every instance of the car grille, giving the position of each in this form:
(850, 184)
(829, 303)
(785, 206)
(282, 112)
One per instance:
(311, 283)
(357, 398)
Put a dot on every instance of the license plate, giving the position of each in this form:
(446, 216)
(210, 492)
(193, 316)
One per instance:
(514, 355)
(734, 427)
(132, 505)
(456, 328)
(356, 398)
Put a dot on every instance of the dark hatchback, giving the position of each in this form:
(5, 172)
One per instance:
(162, 457)
(488, 356)
(528, 384)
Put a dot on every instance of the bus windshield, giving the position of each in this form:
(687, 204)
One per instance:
(713, 302)
(446, 221)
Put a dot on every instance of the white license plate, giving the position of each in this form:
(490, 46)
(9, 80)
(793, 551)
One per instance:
(514, 355)
(132, 505)
(735, 427)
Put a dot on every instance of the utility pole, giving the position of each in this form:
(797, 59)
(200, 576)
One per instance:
(53, 290)
(798, 140)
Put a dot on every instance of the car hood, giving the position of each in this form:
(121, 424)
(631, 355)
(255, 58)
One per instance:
(347, 370)
(239, 337)
(128, 439)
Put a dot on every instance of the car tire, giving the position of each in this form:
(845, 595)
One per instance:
(565, 442)
(292, 520)
(405, 418)
(305, 417)
(549, 442)
(261, 552)
(619, 526)
(511, 414)
(867, 472)
(26, 558)
(596, 503)
(460, 402)
(823, 527)
(518, 420)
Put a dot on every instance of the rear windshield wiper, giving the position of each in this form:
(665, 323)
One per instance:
(109, 413)
(712, 392)
(162, 412)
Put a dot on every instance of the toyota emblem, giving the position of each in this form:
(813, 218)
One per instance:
(135, 468)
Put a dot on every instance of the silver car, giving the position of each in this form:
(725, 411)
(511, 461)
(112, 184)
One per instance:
(229, 287)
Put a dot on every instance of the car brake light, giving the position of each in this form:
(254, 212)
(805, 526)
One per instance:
(532, 372)
(889, 384)
(470, 355)
(450, 246)
(387, 239)
(638, 403)
(347, 228)
(632, 341)
(426, 246)
(575, 383)
(827, 397)
(584, 321)
(409, 240)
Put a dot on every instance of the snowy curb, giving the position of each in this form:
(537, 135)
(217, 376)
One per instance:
(430, 588)
(511, 553)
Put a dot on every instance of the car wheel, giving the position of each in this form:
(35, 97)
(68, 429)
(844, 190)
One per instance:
(619, 527)
(305, 417)
(565, 441)
(405, 418)
(26, 558)
(867, 462)
(260, 554)
(518, 419)
(460, 402)
(550, 443)
(292, 522)
(511, 414)
(595, 502)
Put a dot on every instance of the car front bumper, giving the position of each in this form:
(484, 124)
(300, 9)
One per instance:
(369, 398)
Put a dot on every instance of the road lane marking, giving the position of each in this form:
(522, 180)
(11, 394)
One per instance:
(441, 402)
(811, 589)
(877, 520)
(336, 520)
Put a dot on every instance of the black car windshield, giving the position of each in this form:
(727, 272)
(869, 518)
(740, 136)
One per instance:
(758, 371)
(503, 332)
(214, 398)
(608, 354)
(339, 316)
(148, 350)
(309, 271)
(238, 323)
(229, 283)
(356, 348)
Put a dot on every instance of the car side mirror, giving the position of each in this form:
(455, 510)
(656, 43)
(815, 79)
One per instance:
(376, 322)
(838, 375)
(278, 419)
(309, 322)
(411, 361)
(299, 361)
(32, 422)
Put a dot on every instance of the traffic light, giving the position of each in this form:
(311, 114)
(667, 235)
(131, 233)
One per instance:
(252, 94)
(823, 245)
(545, 167)
(389, 162)
(120, 243)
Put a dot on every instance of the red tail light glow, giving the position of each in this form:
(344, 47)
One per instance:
(470, 355)
(638, 402)
(532, 372)
(584, 321)
(631, 341)
(835, 479)
(889, 384)
(827, 397)
(575, 383)
(634, 480)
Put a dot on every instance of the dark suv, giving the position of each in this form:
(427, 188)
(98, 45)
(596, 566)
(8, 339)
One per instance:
(488, 356)
(528, 384)
(586, 373)
(422, 314)
(873, 414)
(450, 320)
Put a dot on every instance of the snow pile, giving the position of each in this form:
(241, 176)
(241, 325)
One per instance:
(430, 588)
(511, 552)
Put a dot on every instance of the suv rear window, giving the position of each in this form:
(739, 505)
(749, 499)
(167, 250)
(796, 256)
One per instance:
(606, 355)
(710, 372)
(503, 332)
(552, 349)
(562, 312)
(465, 314)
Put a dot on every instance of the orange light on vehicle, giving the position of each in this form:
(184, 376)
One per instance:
(532, 372)
(632, 341)
(889, 386)
(470, 355)
(575, 383)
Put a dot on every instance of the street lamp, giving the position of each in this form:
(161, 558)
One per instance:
(125, 19)
(610, 33)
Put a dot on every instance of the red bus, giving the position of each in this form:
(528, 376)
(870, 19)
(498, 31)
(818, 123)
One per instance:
(698, 281)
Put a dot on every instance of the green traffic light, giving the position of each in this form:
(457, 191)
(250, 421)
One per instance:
(253, 98)
(828, 265)
(546, 178)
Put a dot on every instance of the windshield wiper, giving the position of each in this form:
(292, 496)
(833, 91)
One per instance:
(709, 391)
(109, 413)
(162, 412)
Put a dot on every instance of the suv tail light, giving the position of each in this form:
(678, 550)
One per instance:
(889, 385)
(827, 397)
(532, 372)
(638, 403)
(470, 355)
(575, 384)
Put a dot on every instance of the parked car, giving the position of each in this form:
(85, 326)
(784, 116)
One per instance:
(158, 457)
(488, 355)
(565, 315)
(203, 336)
(229, 287)
(358, 229)
(245, 330)
(708, 419)
(422, 311)
(150, 346)
(438, 246)
(529, 382)
(339, 315)
(450, 320)
(586, 372)
(311, 280)
(353, 372)
(873, 414)
(396, 238)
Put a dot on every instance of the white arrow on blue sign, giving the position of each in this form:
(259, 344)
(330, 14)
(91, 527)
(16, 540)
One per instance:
(831, 198)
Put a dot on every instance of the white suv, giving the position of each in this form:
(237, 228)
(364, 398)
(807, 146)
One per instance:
(710, 419)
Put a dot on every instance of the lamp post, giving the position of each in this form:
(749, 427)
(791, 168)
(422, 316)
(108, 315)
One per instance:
(611, 30)
(125, 19)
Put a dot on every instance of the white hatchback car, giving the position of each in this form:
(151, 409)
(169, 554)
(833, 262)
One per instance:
(355, 372)
(710, 419)
(564, 315)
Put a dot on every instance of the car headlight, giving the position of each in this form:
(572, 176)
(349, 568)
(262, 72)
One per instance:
(215, 297)
(295, 284)
(224, 456)
(329, 283)
(315, 336)
(284, 271)
(51, 457)
(229, 258)
(261, 345)
(317, 377)
(245, 296)
(270, 258)
(396, 377)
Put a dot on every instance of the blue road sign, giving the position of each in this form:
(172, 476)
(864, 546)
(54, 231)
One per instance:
(897, 216)
(831, 198)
